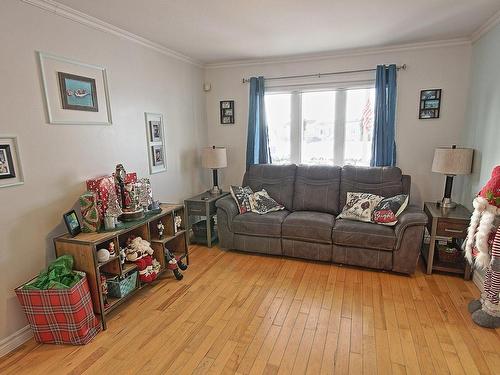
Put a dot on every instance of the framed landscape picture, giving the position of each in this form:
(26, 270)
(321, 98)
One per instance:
(155, 134)
(11, 173)
(75, 93)
(430, 104)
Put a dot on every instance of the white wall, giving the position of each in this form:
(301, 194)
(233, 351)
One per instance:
(445, 67)
(58, 158)
(483, 112)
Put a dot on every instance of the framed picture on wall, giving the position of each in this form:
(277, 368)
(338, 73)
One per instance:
(76, 93)
(11, 172)
(430, 104)
(155, 133)
(227, 112)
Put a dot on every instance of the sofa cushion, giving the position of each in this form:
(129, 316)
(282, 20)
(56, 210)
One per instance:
(278, 180)
(260, 225)
(309, 226)
(317, 189)
(383, 181)
(363, 235)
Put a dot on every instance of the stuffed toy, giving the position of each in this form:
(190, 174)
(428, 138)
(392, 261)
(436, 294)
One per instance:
(482, 250)
(174, 263)
(140, 252)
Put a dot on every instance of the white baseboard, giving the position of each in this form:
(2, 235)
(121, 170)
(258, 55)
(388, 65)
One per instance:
(478, 279)
(15, 340)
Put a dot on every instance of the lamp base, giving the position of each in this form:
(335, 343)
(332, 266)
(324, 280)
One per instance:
(448, 203)
(215, 190)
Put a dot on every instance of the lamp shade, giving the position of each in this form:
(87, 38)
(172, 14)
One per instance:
(214, 157)
(452, 161)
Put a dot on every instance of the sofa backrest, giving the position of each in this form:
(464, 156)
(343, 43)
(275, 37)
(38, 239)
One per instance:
(384, 181)
(278, 180)
(317, 188)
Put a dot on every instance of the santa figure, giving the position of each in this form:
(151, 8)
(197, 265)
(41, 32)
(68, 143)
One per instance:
(482, 249)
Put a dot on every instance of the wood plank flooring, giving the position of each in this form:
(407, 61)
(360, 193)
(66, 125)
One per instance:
(252, 314)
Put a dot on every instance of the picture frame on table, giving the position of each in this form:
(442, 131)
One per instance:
(72, 223)
(227, 112)
(75, 93)
(430, 104)
(11, 172)
(156, 142)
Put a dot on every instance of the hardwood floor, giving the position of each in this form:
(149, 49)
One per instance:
(250, 314)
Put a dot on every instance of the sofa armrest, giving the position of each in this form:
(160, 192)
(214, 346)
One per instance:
(413, 215)
(409, 233)
(230, 208)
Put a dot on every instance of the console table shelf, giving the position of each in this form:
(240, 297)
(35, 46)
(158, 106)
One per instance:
(83, 247)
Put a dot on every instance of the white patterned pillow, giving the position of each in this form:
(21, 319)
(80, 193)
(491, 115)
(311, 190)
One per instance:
(360, 206)
(241, 196)
(261, 203)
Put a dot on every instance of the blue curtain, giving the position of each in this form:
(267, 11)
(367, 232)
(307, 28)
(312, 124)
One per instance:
(384, 143)
(258, 137)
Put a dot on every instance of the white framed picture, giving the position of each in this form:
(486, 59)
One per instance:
(11, 171)
(155, 135)
(75, 93)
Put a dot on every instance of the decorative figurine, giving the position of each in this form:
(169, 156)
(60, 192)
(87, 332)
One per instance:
(129, 198)
(161, 228)
(174, 264)
(177, 223)
(111, 249)
(104, 290)
(122, 255)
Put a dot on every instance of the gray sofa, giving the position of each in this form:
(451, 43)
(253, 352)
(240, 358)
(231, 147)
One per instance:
(313, 196)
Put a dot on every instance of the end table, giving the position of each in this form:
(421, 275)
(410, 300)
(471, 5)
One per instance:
(203, 205)
(445, 222)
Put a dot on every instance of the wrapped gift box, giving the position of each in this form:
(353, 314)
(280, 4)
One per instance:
(90, 212)
(60, 316)
(101, 186)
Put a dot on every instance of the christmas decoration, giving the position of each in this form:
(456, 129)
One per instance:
(102, 186)
(140, 252)
(174, 264)
(90, 212)
(482, 249)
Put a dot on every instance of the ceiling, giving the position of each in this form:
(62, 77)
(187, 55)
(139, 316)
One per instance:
(213, 31)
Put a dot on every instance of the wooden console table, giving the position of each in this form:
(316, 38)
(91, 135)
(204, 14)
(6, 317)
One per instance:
(83, 247)
(450, 223)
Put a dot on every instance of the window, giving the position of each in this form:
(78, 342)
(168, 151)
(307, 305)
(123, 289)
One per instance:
(321, 127)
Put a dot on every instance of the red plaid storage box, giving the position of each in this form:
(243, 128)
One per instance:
(60, 316)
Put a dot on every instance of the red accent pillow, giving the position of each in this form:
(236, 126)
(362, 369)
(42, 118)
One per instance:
(388, 210)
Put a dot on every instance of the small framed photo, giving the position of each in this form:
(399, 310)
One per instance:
(77, 92)
(430, 104)
(6, 163)
(155, 131)
(227, 112)
(11, 173)
(72, 223)
(156, 142)
(158, 159)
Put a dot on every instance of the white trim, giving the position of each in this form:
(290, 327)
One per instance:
(15, 340)
(487, 26)
(84, 19)
(342, 53)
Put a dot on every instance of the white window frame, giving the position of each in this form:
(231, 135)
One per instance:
(296, 92)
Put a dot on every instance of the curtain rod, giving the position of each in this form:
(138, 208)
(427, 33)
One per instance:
(319, 75)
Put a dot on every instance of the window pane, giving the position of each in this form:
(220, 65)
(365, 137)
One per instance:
(318, 116)
(359, 126)
(278, 116)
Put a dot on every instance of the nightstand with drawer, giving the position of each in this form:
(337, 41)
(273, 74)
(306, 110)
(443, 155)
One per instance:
(451, 223)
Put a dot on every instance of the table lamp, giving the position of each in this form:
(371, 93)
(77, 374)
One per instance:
(214, 158)
(451, 162)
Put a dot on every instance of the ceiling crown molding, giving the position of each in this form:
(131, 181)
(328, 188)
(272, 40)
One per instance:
(482, 30)
(341, 53)
(87, 20)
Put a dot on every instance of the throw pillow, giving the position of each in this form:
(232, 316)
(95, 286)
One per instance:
(241, 196)
(388, 209)
(261, 203)
(359, 206)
